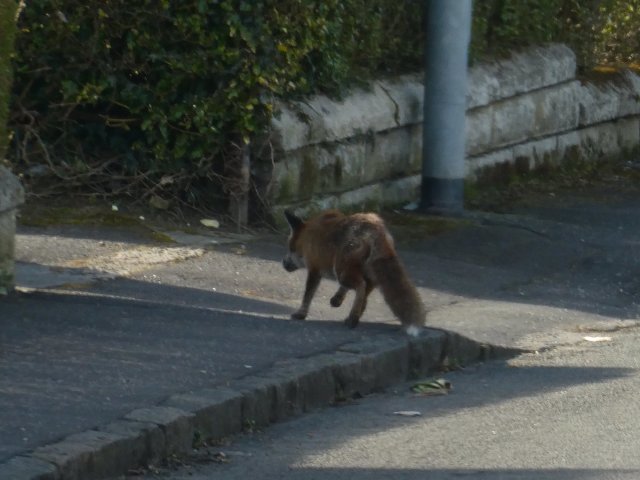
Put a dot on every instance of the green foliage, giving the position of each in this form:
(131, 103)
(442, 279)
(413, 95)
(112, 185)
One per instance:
(617, 35)
(599, 31)
(164, 94)
(158, 98)
(8, 11)
(500, 25)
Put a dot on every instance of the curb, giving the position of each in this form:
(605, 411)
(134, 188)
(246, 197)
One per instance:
(149, 435)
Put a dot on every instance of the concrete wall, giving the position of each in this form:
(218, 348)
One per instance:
(11, 196)
(365, 150)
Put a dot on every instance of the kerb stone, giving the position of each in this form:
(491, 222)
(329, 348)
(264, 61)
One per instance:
(28, 468)
(177, 426)
(85, 456)
(217, 412)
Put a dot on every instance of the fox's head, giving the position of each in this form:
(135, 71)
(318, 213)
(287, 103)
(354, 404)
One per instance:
(293, 260)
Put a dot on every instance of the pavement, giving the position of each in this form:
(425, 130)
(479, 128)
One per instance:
(569, 413)
(120, 349)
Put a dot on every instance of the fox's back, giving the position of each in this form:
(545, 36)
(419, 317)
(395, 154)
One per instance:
(330, 232)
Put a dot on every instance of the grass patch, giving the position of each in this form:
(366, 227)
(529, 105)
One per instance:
(592, 178)
(409, 226)
(37, 214)
(45, 216)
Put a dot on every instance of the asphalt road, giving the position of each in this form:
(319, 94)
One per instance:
(119, 321)
(568, 413)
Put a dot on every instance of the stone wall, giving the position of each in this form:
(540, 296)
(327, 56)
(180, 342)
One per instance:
(364, 151)
(11, 196)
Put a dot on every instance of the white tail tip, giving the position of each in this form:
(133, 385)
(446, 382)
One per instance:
(413, 330)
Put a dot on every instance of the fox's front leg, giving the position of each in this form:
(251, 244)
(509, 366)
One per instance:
(313, 280)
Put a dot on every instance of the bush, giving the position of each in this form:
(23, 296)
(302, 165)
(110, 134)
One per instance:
(503, 24)
(159, 96)
(8, 12)
(599, 31)
(155, 97)
(617, 32)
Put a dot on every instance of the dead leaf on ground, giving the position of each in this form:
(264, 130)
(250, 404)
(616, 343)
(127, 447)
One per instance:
(210, 222)
(220, 457)
(594, 339)
(408, 413)
(159, 203)
(438, 386)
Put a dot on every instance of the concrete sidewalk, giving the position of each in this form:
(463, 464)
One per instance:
(119, 351)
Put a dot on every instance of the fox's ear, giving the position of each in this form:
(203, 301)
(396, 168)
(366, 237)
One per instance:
(293, 220)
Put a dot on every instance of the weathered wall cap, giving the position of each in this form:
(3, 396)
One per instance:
(11, 191)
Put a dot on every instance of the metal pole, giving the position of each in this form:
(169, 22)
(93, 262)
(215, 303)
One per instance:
(448, 31)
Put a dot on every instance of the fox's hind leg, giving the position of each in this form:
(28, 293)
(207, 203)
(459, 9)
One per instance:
(349, 273)
(338, 297)
(363, 290)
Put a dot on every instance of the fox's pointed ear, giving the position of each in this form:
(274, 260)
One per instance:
(293, 220)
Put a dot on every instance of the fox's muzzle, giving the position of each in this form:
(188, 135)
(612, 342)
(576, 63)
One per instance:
(288, 264)
(292, 262)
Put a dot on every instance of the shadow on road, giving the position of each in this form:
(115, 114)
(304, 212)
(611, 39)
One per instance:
(71, 361)
(443, 474)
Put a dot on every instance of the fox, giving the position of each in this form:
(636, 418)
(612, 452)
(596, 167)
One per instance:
(358, 251)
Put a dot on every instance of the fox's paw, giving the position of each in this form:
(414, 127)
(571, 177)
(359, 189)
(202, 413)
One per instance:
(351, 321)
(299, 315)
(336, 300)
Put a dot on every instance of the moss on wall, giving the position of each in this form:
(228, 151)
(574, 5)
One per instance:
(308, 177)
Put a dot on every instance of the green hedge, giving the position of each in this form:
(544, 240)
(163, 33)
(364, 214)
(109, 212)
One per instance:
(617, 37)
(8, 10)
(157, 98)
(503, 24)
(161, 94)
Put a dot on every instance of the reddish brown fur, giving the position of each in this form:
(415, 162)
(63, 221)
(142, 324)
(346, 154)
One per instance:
(358, 251)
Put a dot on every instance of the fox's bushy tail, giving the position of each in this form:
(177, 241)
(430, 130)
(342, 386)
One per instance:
(399, 292)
